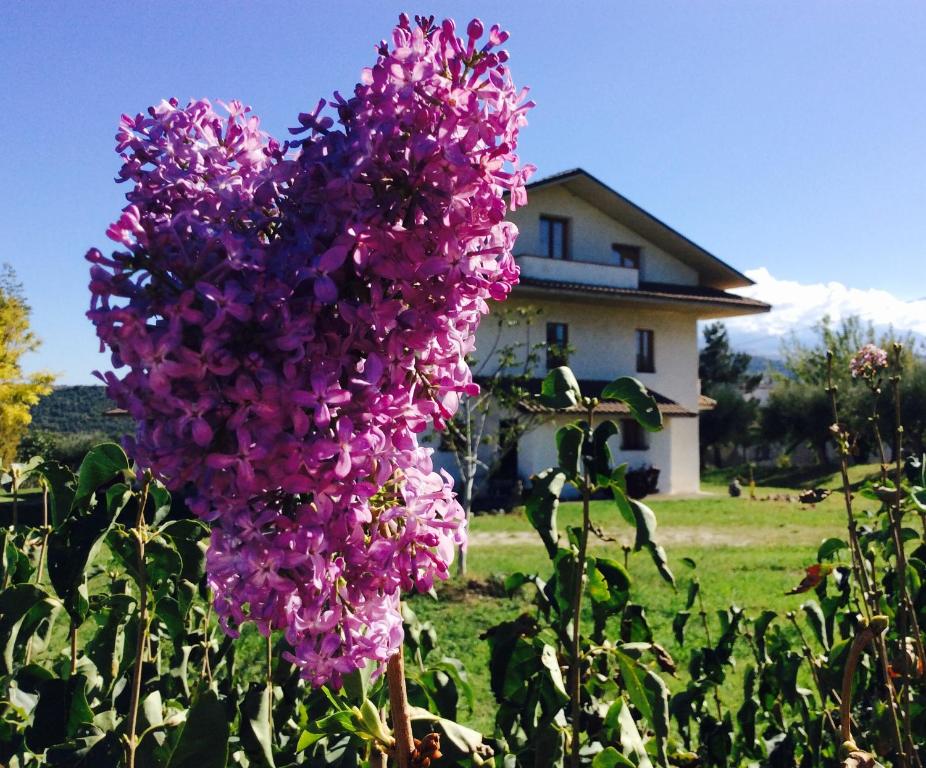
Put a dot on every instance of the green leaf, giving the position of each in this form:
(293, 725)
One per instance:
(71, 549)
(62, 709)
(829, 548)
(255, 731)
(694, 587)
(542, 505)
(615, 582)
(633, 685)
(658, 694)
(633, 394)
(678, 626)
(560, 389)
(203, 742)
(658, 554)
(22, 608)
(630, 737)
(817, 622)
(160, 499)
(601, 454)
(611, 758)
(102, 464)
(569, 447)
(465, 741)
(645, 521)
(634, 626)
(61, 486)
(760, 628)
(619, 491)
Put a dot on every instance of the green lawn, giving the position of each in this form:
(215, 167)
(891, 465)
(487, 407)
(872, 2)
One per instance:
(749, 553)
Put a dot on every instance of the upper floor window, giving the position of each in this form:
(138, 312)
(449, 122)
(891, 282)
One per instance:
(646, 357)
(557, 343)
(633, 436)
(626, 255)
(554, 237)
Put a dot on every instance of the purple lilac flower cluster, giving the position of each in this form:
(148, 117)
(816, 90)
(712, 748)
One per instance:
(291, 315)
(868, 362)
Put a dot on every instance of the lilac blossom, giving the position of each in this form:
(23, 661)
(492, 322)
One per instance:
(868, 362)
(285, 318)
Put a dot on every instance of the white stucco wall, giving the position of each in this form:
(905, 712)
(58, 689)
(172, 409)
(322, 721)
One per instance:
(674, 451)
(603, 336)
(591, 233)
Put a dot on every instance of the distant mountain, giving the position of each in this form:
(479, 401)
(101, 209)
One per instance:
(762, 363)
(78, 409)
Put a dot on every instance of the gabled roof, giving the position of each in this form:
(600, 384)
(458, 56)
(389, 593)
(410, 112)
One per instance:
(712, 272)
(693, 294)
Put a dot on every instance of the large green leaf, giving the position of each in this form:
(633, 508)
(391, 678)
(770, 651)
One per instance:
(611, 758)
(112, 647)
(102, 464)
(203, 742)
(542, 505)
(62, 709)
(633, 394)
(658, 694)
(569, 448)
(22, 608)
(255, 731)
(560, 389)
(601, 454)
(632, 677)
(631, 739)
(816, 620)
(72, 547)
(456, 740)
(61, 486)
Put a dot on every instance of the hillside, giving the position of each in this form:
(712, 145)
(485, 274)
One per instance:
(77, 409)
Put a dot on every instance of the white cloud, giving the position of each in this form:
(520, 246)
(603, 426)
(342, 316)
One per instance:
(798, 306)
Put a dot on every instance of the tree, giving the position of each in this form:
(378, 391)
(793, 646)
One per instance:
(489, 425)
(725, 378)
(806, 365)
(18, 391)
(730, 421)
(798, 413)
(719, 364)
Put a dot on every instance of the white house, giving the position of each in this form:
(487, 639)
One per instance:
(624, 292)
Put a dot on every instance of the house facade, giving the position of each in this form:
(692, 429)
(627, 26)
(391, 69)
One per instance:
(619, 293)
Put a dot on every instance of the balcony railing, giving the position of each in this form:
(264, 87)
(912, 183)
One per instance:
(575, 271)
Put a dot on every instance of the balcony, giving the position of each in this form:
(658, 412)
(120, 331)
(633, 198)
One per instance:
(585, 272)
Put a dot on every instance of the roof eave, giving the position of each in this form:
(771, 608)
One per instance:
(722, 274)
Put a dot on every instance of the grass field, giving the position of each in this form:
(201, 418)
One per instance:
(748, 553)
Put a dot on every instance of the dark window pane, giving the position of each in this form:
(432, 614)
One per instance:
(646, 359)
(557, 343)
(554, 238)
(626, 255)
(559, 232)
(633, 436)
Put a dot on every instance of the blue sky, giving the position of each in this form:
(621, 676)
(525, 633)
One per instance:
(787, 136)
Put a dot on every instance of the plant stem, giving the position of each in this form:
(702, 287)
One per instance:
(575, 656)
(142, 620)
(40, 571)
(15, 498)
(73, 639)
(398, 703)
(270, 683)
(808, 655)
(858, 560)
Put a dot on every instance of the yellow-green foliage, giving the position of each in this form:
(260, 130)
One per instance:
(18, 392)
